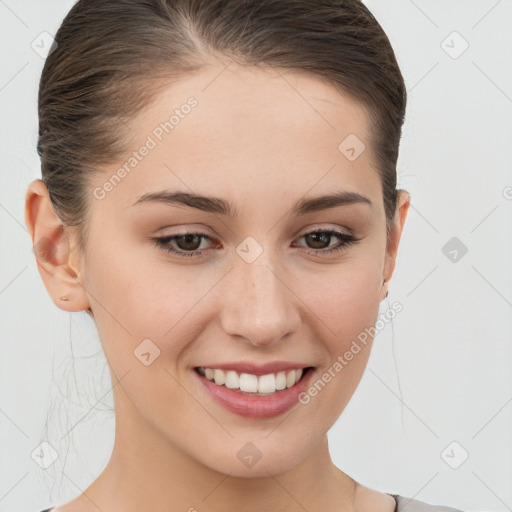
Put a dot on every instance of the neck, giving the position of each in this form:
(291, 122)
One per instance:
(148, 472)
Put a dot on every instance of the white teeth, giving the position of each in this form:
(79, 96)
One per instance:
(281, 380)
(249, 383)
(219, 377)
(267, 383)
(232, 380)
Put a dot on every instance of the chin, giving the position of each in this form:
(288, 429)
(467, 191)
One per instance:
(256, 459)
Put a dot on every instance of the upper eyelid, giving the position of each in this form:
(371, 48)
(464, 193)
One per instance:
(199, 231)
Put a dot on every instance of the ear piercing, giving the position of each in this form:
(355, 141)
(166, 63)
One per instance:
(64, 298)
(387, 293)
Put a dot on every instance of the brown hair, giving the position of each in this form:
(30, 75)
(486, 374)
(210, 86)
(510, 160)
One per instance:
(113, 55)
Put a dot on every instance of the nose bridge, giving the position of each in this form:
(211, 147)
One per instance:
(257, 304)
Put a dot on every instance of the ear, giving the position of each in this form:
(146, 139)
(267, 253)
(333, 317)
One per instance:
(394, 235)
(52, 248)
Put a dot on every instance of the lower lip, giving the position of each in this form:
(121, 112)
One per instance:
(252, 406)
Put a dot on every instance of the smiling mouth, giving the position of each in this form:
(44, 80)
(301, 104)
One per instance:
(256, 385)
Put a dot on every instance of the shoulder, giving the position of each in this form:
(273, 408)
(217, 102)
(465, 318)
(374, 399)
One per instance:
(411, 505)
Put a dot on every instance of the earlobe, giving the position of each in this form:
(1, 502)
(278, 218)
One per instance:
(51, 246)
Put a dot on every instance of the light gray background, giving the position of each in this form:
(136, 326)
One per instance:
(440, 373)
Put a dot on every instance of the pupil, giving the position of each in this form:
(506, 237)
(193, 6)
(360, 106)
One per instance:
(189, 239)
(317, 236)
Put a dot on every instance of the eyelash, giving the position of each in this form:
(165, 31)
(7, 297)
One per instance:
(345, 241)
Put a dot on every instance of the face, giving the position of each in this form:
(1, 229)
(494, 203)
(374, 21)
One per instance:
(180, 283)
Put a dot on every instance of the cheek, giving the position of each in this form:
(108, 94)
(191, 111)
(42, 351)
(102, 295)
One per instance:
(137, 298)
(344, 299)
(345, 306)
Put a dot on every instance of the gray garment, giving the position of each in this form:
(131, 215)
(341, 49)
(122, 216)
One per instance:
(410, 505)
(404, 505)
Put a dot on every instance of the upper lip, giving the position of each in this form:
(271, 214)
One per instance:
(257, 369)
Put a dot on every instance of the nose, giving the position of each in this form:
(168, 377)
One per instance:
(258, 304)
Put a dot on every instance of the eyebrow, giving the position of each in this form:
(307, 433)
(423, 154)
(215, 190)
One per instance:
(223, 207)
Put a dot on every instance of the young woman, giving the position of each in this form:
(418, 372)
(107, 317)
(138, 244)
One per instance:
(219, 194)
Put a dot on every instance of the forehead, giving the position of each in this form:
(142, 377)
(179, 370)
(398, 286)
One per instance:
(251, 130)
(234, 98)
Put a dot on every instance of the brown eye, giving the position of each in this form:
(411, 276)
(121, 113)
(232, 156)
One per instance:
(186, 244)
(319, 241)
(191, 242)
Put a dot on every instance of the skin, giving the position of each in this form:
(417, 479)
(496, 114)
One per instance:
(261, 140)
